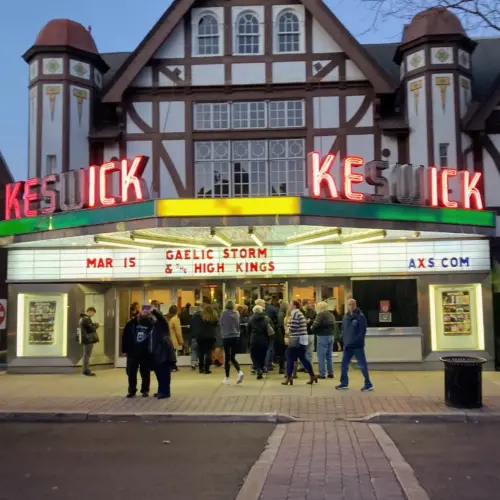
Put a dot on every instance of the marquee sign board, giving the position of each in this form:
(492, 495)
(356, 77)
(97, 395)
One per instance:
(448, 256)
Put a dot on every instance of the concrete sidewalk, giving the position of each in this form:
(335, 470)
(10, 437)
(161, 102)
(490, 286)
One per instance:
(396, 393)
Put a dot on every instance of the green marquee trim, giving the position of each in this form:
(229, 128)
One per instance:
(395, 212)
(308, 206)
(78, 218)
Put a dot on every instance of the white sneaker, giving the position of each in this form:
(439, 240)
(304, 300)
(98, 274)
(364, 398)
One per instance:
(226, 381)
(241, 375)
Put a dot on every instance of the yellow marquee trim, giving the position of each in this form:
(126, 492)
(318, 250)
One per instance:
(228, 207)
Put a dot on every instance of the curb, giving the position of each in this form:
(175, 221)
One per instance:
(402, 469)
(256, 478)
(50, 416)
(459, 416)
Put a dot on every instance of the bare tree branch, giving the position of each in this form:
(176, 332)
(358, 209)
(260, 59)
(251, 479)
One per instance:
(474, 14)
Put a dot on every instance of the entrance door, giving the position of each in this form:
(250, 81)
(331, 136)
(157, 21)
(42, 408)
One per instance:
(126, 297)
(247, 294)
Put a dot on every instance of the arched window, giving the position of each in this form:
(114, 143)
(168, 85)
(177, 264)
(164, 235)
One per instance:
(208, 36)
(288, 32)
(247, 34)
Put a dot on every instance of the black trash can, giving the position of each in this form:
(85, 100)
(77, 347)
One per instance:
(463, 386)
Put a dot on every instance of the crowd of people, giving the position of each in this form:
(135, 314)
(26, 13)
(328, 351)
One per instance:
(279, 334)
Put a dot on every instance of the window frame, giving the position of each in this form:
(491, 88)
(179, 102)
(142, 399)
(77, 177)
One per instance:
(248, 112)
(212, 115)
(278, 33)
(198, 36)
(196, 16)
(287, 103)
(237, 34)
(446, 146)
(250, 165)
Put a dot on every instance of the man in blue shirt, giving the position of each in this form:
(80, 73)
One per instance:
(353, 335)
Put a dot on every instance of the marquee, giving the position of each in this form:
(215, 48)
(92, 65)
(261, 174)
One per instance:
(420, 257)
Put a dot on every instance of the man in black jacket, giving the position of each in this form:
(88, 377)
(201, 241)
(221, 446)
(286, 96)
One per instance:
(89, 337)
(137, 337)
(147, 344)
(163, 356)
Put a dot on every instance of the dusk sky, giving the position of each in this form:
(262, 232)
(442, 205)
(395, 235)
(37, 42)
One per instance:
(117, 25)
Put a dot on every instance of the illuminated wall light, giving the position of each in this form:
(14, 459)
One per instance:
(364, 238)
(313, 238)
(166, 242)
(220, 238)
(118, 243)
(432, 311)
(254, 237)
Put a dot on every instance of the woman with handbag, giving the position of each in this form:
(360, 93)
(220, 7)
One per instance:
(163, 354)
(261, 331)
(174, 326)
(297, 344)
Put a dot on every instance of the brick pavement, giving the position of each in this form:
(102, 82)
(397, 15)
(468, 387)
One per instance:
(395, 392)
(330, 461)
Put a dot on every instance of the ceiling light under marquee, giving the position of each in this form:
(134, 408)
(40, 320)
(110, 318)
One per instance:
(315, 237)
(118, 243)
(365, 237)
(166, 242)
(254, 237)
(220, 238)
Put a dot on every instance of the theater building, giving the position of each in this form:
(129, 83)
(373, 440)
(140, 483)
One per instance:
(250, 150)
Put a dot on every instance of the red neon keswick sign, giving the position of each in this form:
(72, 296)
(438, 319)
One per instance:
(407, 184)
(77, 189)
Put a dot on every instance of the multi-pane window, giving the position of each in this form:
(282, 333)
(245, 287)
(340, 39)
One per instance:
(212, 169)
(286, 114)
(443, 154)
(247, 34)
(51, 164)
(288, 32)
(250, 168)
(249, 115)
(287, 167)
(208, 36)
(211, 116)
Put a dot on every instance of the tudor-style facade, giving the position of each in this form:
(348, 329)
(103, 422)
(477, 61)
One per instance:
(228, 98)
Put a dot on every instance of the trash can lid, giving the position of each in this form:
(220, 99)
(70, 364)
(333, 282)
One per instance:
(463, 360)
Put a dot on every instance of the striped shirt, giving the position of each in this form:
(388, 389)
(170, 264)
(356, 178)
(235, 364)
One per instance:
(298, 326)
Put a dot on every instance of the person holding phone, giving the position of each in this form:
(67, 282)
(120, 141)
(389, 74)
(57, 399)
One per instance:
(89, 337)
(136, 346)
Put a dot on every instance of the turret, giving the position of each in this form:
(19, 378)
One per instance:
(435, 59)
(65, 74)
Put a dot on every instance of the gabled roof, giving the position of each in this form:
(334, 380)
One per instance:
(179, 8)
(6, 176)
(486, 84)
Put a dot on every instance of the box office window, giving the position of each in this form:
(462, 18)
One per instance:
(387, 303)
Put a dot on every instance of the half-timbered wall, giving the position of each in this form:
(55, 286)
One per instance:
(228, 69)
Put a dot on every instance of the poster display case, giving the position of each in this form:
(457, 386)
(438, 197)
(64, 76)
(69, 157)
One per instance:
(42, 325)
(456, 317)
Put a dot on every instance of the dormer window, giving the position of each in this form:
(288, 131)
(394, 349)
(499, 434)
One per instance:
(288, 32)
(208, 36)
(247, 34)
